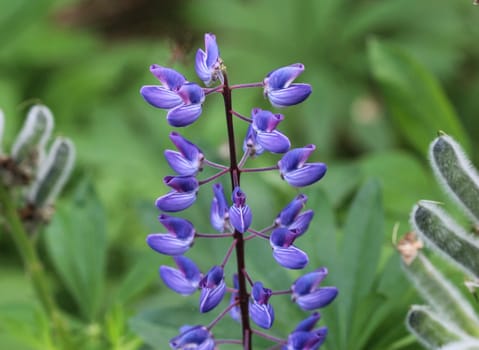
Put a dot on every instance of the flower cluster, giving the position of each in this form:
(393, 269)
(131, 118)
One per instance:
(39, 171)
(249, 300)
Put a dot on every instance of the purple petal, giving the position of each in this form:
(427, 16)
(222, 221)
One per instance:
(170, 78)
(317, 299)
(189, 269)
(159, 97)
(201, 68)
(301, 340)
(168, 244)
(294, 94)
(219, 208)
(180, 164)
(182, 183)
(176, 280)
(273, 141)
(235, 311)
(291, 257)
(309, 282)
(240, 218)
(197, 337)
(213, 288)
(238, 197)
(181, 228)
(188, 149)
(301, 223)
(176, 201)
(262, 315)
(291, 211)
(308, 323)
(307, 175)
(212, 51)
(260, 295)
(192, 93)
(281, 237)
(250, 142)
(183, 115)
(282, 77)
(295, 158)
(265, 120)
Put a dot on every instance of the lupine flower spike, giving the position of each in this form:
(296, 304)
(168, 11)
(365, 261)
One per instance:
(251, 303)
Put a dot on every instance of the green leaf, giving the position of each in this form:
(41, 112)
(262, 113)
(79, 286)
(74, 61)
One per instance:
(27, 324)
(399, 192)
(417, 103)
(361, 249)
(141, 275)
(76, 243)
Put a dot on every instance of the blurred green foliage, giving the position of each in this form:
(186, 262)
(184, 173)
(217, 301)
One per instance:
(386, 76)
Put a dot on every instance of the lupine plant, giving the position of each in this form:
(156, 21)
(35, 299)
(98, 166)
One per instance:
(30, 181)
(250, 300)
(449, 321)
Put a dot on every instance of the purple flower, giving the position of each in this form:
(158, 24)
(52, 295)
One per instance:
(261, 134)
(193, 338)
(182, 195)
(284, 252)
(235, 311)
(177, 241)
(240, 213)
(219, 213)
(294, 169)
(307, 293)
(305, 337)
(301, 340)
(279, 89)
(184, 280)
(291, 218)
(181, 98)
(308, 323)
(208, 63)
(213, 289)
(189, 159)
(262, 313)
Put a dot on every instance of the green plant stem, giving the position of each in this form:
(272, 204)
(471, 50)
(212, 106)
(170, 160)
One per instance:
(33, 267)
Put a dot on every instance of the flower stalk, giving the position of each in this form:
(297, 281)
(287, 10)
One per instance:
(33, 267)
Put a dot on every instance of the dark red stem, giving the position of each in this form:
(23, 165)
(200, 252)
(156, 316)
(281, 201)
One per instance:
(243, 294)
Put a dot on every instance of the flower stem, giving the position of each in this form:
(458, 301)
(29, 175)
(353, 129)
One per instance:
(242, 86)
(243, 295)
(33, 267)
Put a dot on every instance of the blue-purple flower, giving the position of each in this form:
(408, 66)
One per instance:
(239, 213)
(284, 252)
(305, 337)
(261, 311)
(182, 195)
(294, 169)
(189, 159)
(185, 279)
(292, 218)
(177, 241)
(262, 134)
(279, 89)
(213, 289)
(235, 310)
(307, 293)
(182, 99)
(208, 63)
(193, 338)
(219, 213)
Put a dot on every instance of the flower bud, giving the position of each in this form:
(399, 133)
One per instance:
(29, 146)
(53, 173)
